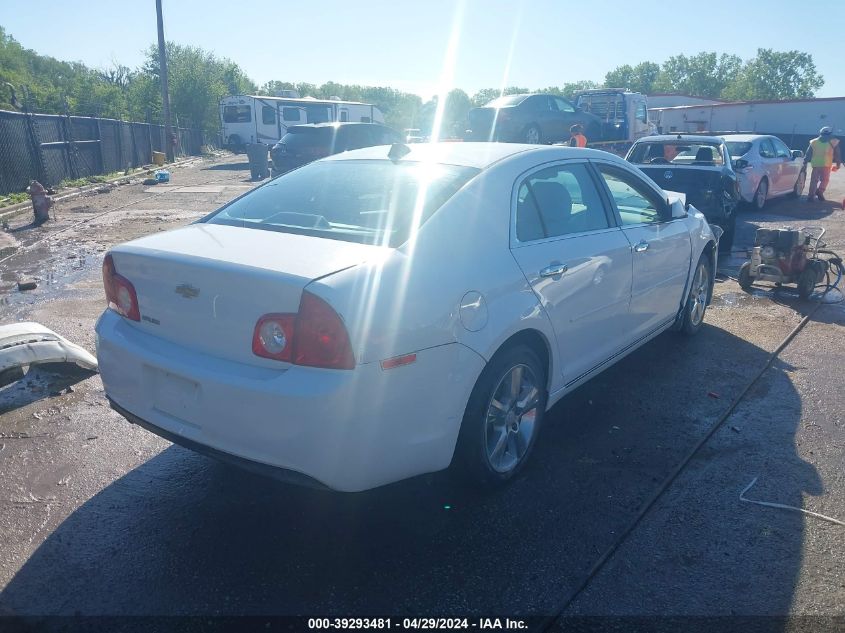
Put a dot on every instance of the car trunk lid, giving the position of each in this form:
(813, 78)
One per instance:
(205, 286)
(701, 185)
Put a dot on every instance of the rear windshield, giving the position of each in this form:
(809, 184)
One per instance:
(367, 201)
(310, 136)
(737, 148)
(506, 101)
(676, 153)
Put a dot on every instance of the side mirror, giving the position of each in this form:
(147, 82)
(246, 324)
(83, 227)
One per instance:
(740, 164)
(797, 153)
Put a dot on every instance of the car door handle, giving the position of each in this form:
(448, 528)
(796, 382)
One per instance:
(641, 246)
(554, 270)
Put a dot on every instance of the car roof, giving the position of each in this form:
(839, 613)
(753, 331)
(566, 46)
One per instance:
(690, 138)
(332, 124)
(478, 154)
(745, 138)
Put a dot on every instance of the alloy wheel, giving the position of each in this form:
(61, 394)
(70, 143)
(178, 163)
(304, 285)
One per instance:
(698, 295)
(511, 418)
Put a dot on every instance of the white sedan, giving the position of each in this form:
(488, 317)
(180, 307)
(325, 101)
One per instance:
(381, 313)
(765, 167)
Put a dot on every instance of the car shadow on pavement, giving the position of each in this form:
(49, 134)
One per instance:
(183, 534)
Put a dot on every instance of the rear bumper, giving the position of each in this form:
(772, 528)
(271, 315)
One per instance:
(274, 472)
(346, 430)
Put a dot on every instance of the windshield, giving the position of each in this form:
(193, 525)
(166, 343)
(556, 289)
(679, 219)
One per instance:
(367, 201)
(510, 100)
(738, 148)
(676, 153)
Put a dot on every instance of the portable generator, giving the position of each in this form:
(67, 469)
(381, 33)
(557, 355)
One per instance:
(791, 256)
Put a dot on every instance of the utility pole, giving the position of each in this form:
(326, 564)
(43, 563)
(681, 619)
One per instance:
(165, 91)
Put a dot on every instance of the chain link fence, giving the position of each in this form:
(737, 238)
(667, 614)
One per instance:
(51, 148)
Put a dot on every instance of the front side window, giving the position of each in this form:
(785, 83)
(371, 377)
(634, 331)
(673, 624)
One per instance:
(767, 149)
(636, 202)
(237, 114)
(557, 201)
(642, 113)
(563, 105)
(268, 115)
(366, 201)
(781, 149)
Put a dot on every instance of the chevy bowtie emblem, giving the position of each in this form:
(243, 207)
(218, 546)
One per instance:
(667, 175)
(187, 290)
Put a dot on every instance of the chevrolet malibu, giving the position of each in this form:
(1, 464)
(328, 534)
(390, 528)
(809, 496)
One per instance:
(388, 311)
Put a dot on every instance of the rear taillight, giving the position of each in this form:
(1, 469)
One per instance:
(314, 337)
(120, 293)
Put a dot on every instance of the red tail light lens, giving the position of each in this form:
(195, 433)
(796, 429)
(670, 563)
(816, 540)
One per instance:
(314, 337)
(120, 293)
(321, 337)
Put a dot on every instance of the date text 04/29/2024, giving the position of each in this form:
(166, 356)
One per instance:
(414, 624)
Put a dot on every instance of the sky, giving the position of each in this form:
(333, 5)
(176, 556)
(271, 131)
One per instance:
(429, 46)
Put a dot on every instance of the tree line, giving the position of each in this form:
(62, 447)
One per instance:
(199, 79)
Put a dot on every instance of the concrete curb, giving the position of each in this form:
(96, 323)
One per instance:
(22, 207)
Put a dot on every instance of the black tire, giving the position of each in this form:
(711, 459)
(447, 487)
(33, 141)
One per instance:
(807, 282)
(698, 297)
(473, 461)
(530, 132)
(728, 225)
(744, 278)
(761, 196)
(799, 183)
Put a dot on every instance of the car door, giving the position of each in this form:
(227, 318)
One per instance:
(567, 116)
(541, 113)
(771, 163)
(789, 167)
(578, 263)
(660, 245)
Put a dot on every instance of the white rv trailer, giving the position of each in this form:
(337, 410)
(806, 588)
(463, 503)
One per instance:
(258, 119)
(795, 121)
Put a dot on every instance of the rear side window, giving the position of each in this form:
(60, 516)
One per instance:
(557, 201)
(237, 114)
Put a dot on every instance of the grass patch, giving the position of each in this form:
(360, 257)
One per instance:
(13, 198)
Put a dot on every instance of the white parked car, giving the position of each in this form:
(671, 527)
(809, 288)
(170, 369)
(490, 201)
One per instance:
(765, 167)
(361, 320)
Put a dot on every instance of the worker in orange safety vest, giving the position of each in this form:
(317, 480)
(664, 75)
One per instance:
(822, 153)
(576, 136)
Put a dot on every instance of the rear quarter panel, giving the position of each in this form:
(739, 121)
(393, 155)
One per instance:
(412, 300)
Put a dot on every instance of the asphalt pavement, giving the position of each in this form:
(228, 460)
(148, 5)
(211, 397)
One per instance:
(100, 517)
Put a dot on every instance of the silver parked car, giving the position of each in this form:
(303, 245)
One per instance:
(766, 167)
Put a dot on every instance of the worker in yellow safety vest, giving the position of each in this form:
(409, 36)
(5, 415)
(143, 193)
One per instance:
(821, 154)
(576, 136)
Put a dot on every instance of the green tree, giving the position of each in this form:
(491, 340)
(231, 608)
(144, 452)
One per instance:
(198, 80)
(639, 78)
(486, 95)
(701, 75)
(775, 75)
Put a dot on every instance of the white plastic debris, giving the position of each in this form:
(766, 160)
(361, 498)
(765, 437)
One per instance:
(32, 343)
